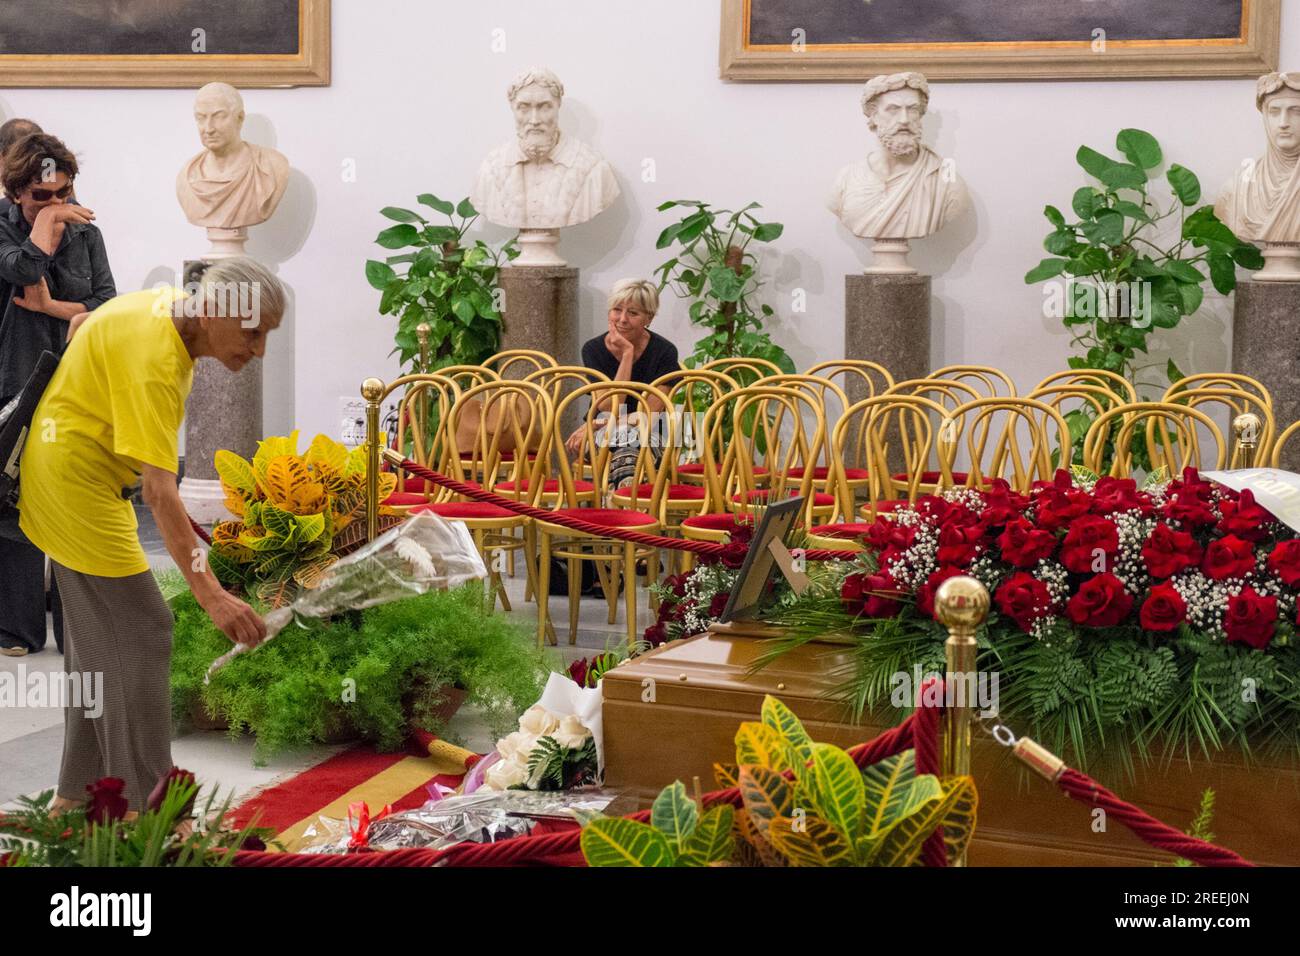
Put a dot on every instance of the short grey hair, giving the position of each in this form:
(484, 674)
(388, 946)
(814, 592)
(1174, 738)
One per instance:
(642, 293)
(887, 83)
(541, 77)
(243, 287)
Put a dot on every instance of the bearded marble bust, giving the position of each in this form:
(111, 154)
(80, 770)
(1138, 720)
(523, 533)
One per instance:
(231, 184)
(902, 190)
(543, 179)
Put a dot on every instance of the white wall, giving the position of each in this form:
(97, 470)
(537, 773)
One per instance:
(418, 97)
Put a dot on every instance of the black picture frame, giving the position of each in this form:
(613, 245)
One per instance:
(746, 597)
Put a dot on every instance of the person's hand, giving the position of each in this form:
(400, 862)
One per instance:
(573, 445)
(75, 323)
(619, 346)
(235, 619)
(67, 212)
(35, 298)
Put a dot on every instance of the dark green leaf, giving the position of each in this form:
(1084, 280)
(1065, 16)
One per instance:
(1054, 216)
(1085, 201)
(396, 237)
(1174, 373)
(464, 309)
(1140, 147)
(1223, 273)
(1093, 162)
(1124, 176)
(1047, 269)
(1185, 184)
(1061, 243)
(466, 209)
(1107, 229)
(1184, 271)
(1248, 256)
(769, 231)
(379, 274)
(441, 234)
(397, 214)
(429, 199)
(1132, 210)
(1192, 297)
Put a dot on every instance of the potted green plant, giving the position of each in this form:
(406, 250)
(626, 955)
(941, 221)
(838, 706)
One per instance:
(716, 269)
(445, 281)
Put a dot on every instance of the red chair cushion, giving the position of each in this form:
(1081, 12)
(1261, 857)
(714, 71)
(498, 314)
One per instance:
(672, 492)
(822, 473)
(465, 509)
(403, 498)
(712, 522)
(549, 485)
(848, 530)
(820, 498)
(609, 517)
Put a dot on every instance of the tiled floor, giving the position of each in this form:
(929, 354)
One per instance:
(31, 738)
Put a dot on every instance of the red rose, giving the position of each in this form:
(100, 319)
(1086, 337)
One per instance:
(655, 634)
(742, 532)
(1001, 504)
(578, 671)
(1251, 618)
(159, 792)
(1228, 557)
(106, 803)
(1102, 601)
(1024, 599)
(1111, 495)
(873, 595)
(1164, 609)
(925, 595)
(1192, 481)
(886, 535)
(1190, 505)
(677, 584)
(1245, 518)
(254, 843)
(932, 507)
(718, 604)
(1089, 537)
(959, 543)
(1167, 551)
(1284, 561)
(1058, 507)
(1023, 545)
(733, 555)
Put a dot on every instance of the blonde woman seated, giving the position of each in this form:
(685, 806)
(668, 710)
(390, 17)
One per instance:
(628, 352)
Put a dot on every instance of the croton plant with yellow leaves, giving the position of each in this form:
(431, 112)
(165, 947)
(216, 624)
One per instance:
(297, 514)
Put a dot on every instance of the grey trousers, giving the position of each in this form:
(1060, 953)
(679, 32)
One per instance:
(120, 628)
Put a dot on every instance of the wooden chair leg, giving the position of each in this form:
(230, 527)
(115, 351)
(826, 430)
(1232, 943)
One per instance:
(652, 578)
(543, 588)
(575, 597)
(611, 591)
(629, 584)
(530, 562)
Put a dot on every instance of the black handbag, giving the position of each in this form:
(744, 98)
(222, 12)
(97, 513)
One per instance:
(16, 424)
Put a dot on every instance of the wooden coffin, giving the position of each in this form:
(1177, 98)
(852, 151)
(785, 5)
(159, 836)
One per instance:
(672, 713)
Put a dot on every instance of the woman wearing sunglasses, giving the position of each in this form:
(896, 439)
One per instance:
(52, 267)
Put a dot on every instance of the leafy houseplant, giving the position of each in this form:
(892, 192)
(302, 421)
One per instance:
(805, 804)
(447, 284)
(716, 270)
(1125, 280)
(296, 514)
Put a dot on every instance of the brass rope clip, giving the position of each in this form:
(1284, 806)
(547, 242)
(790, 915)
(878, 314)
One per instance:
(1027, 750)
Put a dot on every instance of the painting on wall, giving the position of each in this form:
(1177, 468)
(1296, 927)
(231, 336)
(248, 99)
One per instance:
(997, 39)
(164, 43)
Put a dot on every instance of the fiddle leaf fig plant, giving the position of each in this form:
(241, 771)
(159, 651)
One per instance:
(1125, 266)
(445, 282)
(715, 268)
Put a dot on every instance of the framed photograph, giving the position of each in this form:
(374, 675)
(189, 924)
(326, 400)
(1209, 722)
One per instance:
(998, 39)
(164, 43)
(746, 598)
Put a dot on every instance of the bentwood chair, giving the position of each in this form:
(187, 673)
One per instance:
(421, 416)
(861, 379)
(876, 431)
(1279, 446)
(519, 363)
(502, 416)
(744, 371)
(992, 381)
(1228, 381)
(950, 394)
(692, 391)
(833, 402)
(1171, 434)
(1094, 377)
(1079, 404)
(1231, 402)
(612, 557)
(1022, 443)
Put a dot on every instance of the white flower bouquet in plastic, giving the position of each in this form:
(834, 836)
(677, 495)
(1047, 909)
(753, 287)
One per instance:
(423, 553)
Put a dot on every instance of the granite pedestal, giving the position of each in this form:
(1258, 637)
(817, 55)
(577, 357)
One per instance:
(1266, 346)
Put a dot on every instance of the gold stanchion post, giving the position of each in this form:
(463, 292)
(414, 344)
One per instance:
(372, 390)
(962, 604)
(1245, 432)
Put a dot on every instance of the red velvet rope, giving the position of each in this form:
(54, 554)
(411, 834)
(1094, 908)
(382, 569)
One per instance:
(200, 531)
(1083, 788)
(588, 527)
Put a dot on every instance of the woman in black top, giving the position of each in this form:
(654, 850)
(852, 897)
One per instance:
(629, 351)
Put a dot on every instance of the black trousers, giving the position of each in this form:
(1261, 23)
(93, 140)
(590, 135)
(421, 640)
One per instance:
(22, 590)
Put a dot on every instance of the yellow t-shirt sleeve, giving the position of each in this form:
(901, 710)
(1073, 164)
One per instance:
(145, 422)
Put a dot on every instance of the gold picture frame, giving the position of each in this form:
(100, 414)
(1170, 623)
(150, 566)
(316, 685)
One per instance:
(310, 66)
(1253, 52)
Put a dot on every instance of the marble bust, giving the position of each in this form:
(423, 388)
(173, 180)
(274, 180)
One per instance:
(903, 190)
(1261, 203)
(231, 184)
(543, 179)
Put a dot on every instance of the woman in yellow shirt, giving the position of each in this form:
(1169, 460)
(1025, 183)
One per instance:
(109, 421)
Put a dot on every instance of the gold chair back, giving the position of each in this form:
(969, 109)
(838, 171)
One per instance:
(1247, 409)
(1171, 434)
(527, 360)
(992, 381)
(1021, 448)
(1095, 377)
